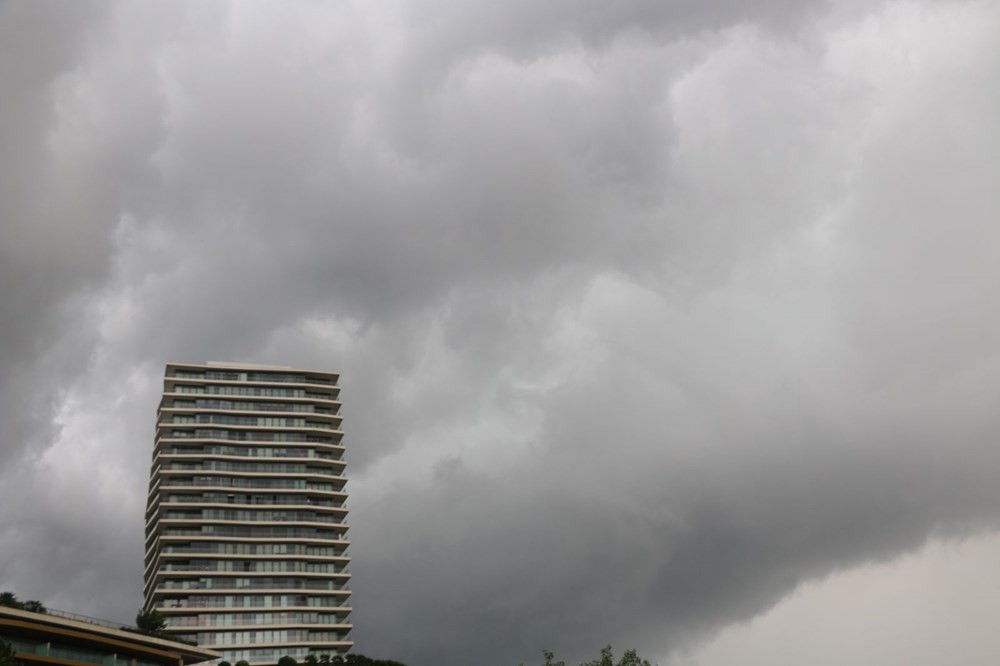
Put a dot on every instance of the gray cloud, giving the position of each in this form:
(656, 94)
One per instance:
(41, 257)
(645, 314)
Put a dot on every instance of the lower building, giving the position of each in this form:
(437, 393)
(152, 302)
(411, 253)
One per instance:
(47, 639)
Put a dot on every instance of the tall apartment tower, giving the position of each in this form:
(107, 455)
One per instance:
(245, 523)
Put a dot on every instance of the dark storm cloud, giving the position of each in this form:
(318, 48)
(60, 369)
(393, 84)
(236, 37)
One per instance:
(42, 258)
(444, 33)
(645, 312)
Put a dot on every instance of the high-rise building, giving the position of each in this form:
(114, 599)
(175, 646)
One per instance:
(246, 520)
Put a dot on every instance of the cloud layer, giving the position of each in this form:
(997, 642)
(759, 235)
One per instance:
(646, 313)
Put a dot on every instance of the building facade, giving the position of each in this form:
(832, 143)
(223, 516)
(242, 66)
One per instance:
(246, 531)
(63, 639)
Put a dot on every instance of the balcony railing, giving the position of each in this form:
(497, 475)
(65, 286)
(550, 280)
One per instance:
(254, 468)
(244, 602)
(225, 567)
(253, 377)
(258, 550)
(254, 619)
(236, 406)
(288, 500)
(210, 639)
(313, 518)
(256, 484)
(251, 453)
(248, 421)
(289, 532)
(91, 620)
(249, 436)
(230, 584)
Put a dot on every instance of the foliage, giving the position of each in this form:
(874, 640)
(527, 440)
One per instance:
(606, 658)
(10, 600)
(630, 658)
(288, 660)
(243, 662)
(151, 622)
(223, 663)
(362, 660)
(550, 659)
(6, 653)
(347, 660)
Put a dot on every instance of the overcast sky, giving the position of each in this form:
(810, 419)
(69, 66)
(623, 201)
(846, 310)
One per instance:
(661, 323)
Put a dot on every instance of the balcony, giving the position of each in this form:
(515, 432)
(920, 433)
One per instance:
(221, 532)
(270, 452)
(225, 567)
(249, 587)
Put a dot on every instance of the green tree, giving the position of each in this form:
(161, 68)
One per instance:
(10, 600)
(224, 663)
(631, 658)
(34, 606)
(310, 659)
(605, 658)
(151, 622)
(243, 662)
(550, 659)
(6, 653)
(355, 659)
(288, 660)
